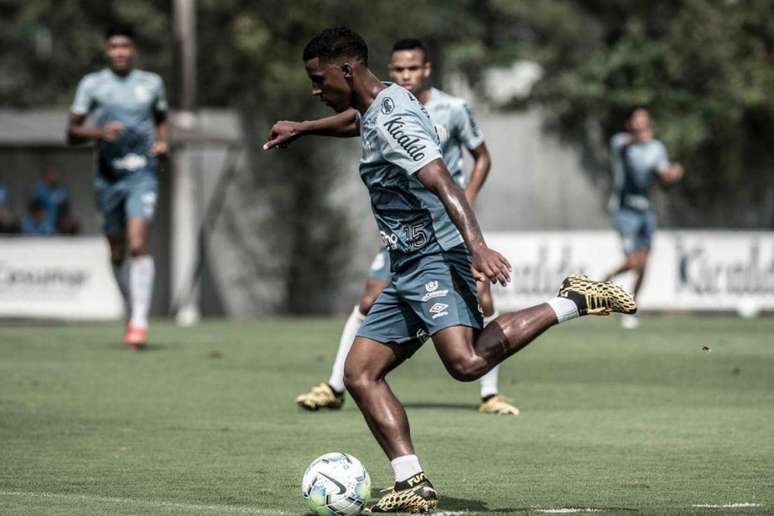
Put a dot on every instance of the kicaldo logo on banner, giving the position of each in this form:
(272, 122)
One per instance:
(687, 270)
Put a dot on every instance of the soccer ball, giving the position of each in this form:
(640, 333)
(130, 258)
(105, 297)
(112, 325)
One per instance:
(336, 484)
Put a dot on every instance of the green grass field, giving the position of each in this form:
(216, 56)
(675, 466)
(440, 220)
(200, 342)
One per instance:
(204, 422)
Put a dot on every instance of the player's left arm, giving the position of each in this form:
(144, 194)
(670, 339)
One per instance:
(161, 144)
(488, 264)
(482, 163)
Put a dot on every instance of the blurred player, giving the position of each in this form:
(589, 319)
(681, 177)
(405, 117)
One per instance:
(435, 246)
(637, 160)
(128, 109)
(410, 68)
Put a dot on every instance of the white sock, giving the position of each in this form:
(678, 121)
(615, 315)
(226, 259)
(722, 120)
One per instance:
(119, 271)
(489, 380)
(141, 271)
(351, 327)
(405, 467)
(565, 309)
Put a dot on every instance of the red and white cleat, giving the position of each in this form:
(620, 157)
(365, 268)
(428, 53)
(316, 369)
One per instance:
(135, 337)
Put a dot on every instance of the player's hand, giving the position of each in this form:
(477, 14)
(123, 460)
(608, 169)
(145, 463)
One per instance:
(489, 265)
(111, 131)
(160, 148)
(282, 134)
(677, 171)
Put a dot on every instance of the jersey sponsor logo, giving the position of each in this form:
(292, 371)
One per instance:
(389, 240)
(432, 295)
(388, 105)
(412, 146)
(439, 310)
(130, 162)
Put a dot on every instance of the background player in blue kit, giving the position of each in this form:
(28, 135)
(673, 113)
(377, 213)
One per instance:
(638, 159)
(411, 68)
(437, 253)
(126, 110)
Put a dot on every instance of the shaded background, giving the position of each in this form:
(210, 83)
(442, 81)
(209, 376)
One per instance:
(549, 80)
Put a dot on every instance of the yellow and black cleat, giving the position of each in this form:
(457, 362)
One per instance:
(322, 396)
(597, 297)
(500, 405)
(415, 495)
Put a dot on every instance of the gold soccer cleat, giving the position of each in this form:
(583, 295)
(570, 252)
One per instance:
(319, 397)
(414, 498)
(499, 404)
(597, 297)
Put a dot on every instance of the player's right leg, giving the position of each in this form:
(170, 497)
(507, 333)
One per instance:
(628, 225)
(330, 395)
(467, 356)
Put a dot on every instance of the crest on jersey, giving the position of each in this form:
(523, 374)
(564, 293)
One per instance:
(431, 285)
(388, 105)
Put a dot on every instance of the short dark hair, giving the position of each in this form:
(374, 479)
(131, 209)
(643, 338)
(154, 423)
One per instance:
(119, 30)
(336, 42)
(411, 44)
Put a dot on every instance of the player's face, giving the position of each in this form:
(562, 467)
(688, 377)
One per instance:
(330, 83)
(120, 53)
(639, 123)
(409, 69)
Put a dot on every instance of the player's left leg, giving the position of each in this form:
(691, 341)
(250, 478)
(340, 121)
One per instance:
(492, 402)
(367, 365)
(140, 208)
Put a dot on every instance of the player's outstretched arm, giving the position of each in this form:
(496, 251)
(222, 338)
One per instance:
(671, 175)
(342, 125)
(487, 263)
(481, 165)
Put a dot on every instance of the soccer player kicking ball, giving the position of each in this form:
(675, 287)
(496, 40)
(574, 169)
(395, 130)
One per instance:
(410, 68)
(129, 108)
(435, 245)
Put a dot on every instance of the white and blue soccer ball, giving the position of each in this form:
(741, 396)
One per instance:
(336, 484)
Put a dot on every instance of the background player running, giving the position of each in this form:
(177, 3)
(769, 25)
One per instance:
(128, 108)
(435, 244)
(410, 67)
(637, 159)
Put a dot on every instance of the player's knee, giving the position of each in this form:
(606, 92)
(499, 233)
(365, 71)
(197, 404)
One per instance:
(464, 370)
(356, 381)
(138, 249)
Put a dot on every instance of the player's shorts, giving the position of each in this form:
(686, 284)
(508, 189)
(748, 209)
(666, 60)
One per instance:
(636, 228)
(132, 196)
(380, 267)
(433, 292)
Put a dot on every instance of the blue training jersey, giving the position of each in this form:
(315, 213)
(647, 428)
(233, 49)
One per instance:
(398, 139)
(132, 100)
(635, 167)
(456, 129)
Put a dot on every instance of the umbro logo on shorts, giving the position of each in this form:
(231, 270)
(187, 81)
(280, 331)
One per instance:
(439, 310)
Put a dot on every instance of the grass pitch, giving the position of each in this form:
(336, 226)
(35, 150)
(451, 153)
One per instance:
(676, 417)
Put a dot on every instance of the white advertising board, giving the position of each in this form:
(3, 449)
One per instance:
(58, 277)
(688, 270)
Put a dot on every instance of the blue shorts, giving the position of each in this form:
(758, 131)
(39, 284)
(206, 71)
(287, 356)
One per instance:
(433, 292)
(132, 196)
(636, 228)
(380, 267)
